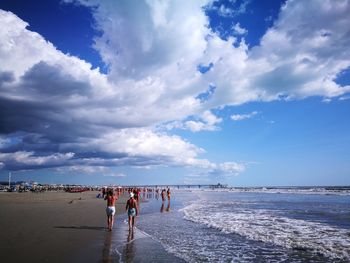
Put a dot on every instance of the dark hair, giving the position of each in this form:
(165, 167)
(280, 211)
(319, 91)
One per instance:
(110, 192)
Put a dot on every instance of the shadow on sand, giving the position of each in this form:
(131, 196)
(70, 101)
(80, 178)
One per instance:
(100, 228)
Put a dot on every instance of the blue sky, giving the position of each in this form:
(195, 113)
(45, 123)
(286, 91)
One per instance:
(248, 93)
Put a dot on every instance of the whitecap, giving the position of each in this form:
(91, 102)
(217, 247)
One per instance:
(269, 226)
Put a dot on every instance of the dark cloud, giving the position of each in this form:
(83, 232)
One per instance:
(41, 117)
(50, 82)
(6, 76)
(41, 103)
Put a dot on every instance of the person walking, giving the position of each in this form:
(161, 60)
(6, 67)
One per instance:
(110, 210)
(132, 209)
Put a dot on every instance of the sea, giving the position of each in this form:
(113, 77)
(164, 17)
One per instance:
(276, 224)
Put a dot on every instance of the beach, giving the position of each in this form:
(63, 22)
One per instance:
(53, 226)
(237, 225)
(71, 227)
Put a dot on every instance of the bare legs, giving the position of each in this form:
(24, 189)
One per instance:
(131, 222)
(110, 220)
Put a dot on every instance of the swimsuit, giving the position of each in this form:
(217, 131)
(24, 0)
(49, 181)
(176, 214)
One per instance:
(110, 210)
(132, 212)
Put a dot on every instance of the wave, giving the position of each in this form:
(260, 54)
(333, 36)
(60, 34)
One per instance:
(329, 190)
(270, 227)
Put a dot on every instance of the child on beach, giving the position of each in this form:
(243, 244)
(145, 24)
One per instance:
(131, 208)
(110, 210)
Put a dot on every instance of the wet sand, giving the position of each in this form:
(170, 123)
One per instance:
(54, 227)
(135, 246)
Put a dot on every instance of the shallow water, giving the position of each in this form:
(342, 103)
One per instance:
(226, 226)
(124, 246)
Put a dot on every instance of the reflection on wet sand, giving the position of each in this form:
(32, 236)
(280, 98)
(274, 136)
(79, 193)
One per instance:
(167, 208)
(106, 252)
(129, 248)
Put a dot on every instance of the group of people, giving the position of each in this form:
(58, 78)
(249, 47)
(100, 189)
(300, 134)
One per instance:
(165, 192)
(132, 204)
(132, 207)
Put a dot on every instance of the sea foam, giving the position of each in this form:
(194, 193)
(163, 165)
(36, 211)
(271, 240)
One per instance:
(271, 227)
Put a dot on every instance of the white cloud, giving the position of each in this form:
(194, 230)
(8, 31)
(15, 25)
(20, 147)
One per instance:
(239, 117)
(300, 56)
(115, 175)
(225, 11)
(215, 171)
(231, 168)
(87, 169)
(237, 29)
(194, 126)
(211, 119)
(207, 121)
(143, 142)
(233, 8)
(29, 159)
(303, 54)
(140, 38)
(344, 98)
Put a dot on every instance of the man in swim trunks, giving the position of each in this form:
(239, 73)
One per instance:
(110, 210)
(131, 208)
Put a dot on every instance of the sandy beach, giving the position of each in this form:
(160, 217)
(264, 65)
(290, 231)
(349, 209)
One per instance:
(54, 227)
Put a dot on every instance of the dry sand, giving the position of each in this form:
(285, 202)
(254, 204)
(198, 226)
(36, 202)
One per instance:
(53, 227)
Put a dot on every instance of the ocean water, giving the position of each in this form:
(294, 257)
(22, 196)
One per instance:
(251, 225)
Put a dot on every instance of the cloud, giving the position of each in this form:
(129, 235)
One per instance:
(231, 9)
(298, 57)
(207, 121)
(344, 98)
(215, 172)
(237, 29)
(305, 52)
(292, 60)
(86, 169)
(239, 117)
(115, 175)
(57, 111)
(28, 160)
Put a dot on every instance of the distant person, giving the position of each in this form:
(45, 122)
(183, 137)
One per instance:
(110, 210)
(163, 195)
(131, 208)
(168, 193)
(136, 193)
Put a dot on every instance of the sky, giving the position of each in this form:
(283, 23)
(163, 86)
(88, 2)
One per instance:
(133, 92)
